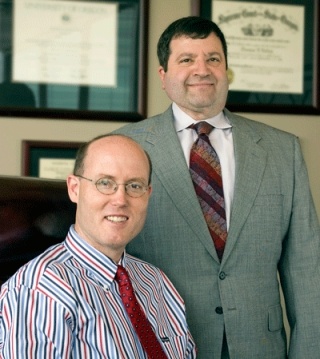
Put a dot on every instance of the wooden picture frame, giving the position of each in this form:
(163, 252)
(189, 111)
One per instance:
(79, 59)
(282, 96)
(48, 159)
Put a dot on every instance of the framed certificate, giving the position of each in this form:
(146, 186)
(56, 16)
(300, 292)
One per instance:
(74, 59)
(273, 53)
(48, 159)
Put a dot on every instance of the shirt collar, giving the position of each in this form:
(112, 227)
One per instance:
(99, 267)
(182, 120)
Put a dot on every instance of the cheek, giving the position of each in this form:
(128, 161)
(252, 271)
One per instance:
(165, 81)
(89, 205)
(174, 85)
(176, 76)
(141, 212)
(222, 76)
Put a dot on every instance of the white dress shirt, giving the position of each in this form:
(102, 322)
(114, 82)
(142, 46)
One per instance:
(221, 140)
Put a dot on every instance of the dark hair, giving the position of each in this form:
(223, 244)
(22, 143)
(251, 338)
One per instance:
(191, 26)
(78, 168)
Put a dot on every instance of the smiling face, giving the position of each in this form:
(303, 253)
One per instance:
(110, 222)
(196, 77)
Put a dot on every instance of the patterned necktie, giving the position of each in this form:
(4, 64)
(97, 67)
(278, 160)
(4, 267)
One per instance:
(205, 172)
(138, 319)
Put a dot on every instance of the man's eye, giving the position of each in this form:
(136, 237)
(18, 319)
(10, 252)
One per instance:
(135, 185)
(104, 182)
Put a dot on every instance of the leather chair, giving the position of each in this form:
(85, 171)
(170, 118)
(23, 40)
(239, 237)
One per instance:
(34, 214)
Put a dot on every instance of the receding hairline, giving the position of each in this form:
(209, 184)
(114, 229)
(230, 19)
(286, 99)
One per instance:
(83, 151)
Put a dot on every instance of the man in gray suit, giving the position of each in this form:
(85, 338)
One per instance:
(233, 305)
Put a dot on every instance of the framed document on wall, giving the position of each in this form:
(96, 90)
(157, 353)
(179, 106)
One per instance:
(48, 159)
(273, 53)
(74, 59)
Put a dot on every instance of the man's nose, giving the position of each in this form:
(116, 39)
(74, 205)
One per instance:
(120, 194)
(202, 67)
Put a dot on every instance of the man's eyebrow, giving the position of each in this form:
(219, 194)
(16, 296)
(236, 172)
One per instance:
(215, 53)
(191, 54)
(187, 54)
(133, 179)
(137, 179)
(104, 175)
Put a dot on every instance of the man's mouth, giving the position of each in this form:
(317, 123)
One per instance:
(201, 84)
(117, 219)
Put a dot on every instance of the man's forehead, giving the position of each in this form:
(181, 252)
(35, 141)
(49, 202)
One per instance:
(113, 147)
(212, 37)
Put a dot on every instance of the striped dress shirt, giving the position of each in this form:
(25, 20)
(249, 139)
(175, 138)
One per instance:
(66, 304)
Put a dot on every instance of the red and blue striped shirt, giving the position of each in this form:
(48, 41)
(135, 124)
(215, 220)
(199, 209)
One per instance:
(66, 304)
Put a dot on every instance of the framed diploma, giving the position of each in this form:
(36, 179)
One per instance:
(78, 59)
(48, 159)
(273, 53)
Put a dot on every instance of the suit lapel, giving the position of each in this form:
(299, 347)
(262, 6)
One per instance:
(250, 161)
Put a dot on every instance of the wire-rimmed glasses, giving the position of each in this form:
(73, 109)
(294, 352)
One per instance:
(107, 186)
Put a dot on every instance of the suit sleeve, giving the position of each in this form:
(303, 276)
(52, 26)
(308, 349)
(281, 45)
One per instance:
(299, 267)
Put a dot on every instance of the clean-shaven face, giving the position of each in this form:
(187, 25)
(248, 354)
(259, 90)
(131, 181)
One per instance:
(196, 77)
(110, 222)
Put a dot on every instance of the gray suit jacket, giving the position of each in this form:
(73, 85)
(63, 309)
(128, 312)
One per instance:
(274, 227)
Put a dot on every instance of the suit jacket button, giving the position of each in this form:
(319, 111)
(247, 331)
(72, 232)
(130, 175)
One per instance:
(219, 310)
(222, 275)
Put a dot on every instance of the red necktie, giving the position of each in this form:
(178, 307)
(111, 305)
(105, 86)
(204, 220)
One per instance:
(138, 319)
(205, 172)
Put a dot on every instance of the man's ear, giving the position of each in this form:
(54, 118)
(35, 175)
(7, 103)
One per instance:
(73, 184)
(162, 74)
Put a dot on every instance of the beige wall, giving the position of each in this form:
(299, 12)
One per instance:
(162, 12)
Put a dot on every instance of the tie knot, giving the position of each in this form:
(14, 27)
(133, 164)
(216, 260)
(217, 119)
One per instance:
(122, 276)
(202, 128)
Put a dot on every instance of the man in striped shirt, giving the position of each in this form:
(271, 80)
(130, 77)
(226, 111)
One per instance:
(66, 303)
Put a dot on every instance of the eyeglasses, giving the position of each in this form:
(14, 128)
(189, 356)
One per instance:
(106, 185)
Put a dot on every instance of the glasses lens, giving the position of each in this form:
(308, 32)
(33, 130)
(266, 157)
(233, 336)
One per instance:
(136, 189)
(106, 185)
(133, 189)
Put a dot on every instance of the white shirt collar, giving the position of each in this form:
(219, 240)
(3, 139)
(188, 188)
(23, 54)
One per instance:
(182, 120)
